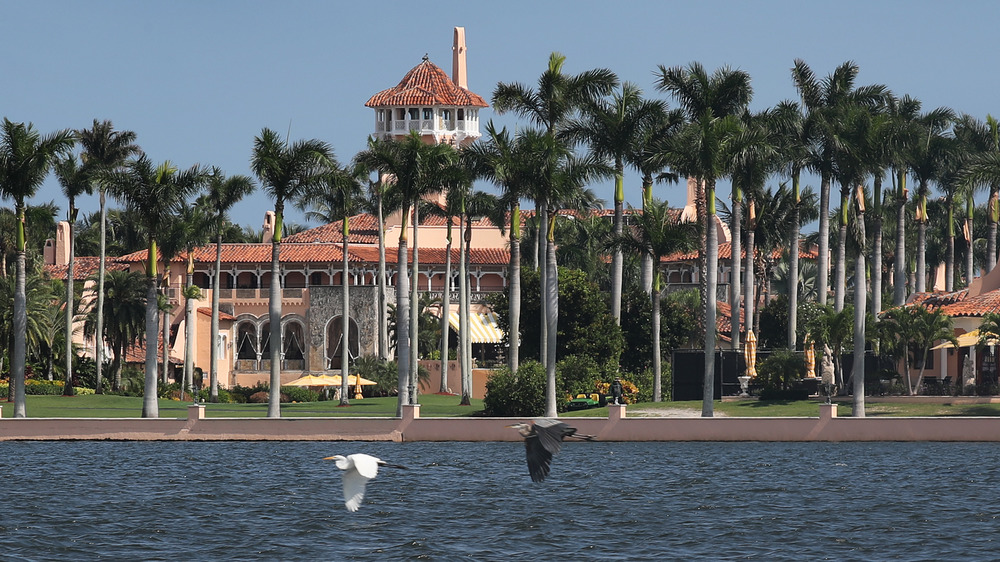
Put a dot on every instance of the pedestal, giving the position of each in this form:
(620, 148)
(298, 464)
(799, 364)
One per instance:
(411, 411)
(616, 412)
(827, 411)
(196, 412)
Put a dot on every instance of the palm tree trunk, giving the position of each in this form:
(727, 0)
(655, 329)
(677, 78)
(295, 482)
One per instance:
(99, 332)
(750, 285)
(542, 278)
(657, 358)
(970, 266)
(165, 358)
(899, 262)
(840, 268)
(383, 304)
(274, 317)
(70, 307)
(414, 309)
(823, 259)
(445, 313)
(991, 237)
(921, 270)
(735, 288)
(17, 361)
(189, 331)
(860, 300)
(793, 267)
(514, 289)
(213, 361)
(646, 272)
(949, 256)
(150, 406)
(402, 319)
(711, 284)
(876, 286)
(551, 318)
(465, 365)
(617, 258)
(467, 336)
(345, 323)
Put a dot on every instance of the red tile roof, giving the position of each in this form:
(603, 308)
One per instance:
(426, 84)
(726, 252)
(85, 267)
(363, 229)
(959, 303)
(208, 312)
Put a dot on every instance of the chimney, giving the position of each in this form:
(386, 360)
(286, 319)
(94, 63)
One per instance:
(56, 251)
(268, 226)
(458, 71)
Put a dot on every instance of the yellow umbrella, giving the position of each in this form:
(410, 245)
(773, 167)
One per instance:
(810, 359)
(750, 354)
(356, 381)
(314, 380)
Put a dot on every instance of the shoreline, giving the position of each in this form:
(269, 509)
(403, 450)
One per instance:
(411, 427)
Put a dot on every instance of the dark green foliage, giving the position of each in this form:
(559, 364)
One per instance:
(521, 395)
(781, 370)
(242, 394)
(774, 324)
(585, 324)
(679, 312)
(299, 394)
(643, 380)
(580, 374)
(225, 397)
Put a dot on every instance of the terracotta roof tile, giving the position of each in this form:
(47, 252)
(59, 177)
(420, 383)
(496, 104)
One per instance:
(426, 84)
(222, 315)
(959, 303)
(363, 230)
(726, 252)
(85, 267)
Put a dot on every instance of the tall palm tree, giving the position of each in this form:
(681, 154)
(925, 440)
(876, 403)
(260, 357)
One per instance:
(193, 225)
(612, 128)
(339, 194)
(657, 233)
(551, 105)
(926, 159)
(903, 133)
(74, 182)
(984, 170)
(285, 171)
(823, 101)
(155, 193)
(712, 104)
(104, 150)
(912, 331)
(416, 169)
(25, 159)
(222, 193)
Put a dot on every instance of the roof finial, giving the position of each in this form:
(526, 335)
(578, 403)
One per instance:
(426, 58)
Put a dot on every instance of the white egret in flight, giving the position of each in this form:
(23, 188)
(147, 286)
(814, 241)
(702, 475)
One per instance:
(542, 439)
(357, 469)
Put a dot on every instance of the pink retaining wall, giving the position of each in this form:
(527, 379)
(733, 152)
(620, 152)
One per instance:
(826, 427)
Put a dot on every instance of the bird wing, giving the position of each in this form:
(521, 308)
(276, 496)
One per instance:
(550, 434)
(366, 465)
(354, 489)
(539, 458)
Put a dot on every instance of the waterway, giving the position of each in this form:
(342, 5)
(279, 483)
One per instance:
(475, 501)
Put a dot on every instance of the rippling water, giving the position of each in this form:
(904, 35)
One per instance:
(475, 501)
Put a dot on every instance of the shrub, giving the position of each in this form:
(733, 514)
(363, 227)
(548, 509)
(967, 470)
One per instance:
(780, 370)
(225, 396)
(298, 394)
(520, 395)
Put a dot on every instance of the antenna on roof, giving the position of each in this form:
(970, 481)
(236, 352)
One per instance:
(426, 58)
(289, 133)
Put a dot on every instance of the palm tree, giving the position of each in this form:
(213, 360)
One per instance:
(104, 150)
(74, 182)
(194, 222)
(926, 159)
(903, 133)
(40, 300)
(339, 196)
(984, 170)
(795, 141)
(124, 317)
(833, 329)
(712, 104)
(25, 159)
(557, 97)
(415, 169)
(912, 331)
(657, 233)
(823, 101)
(612, 129)
(285, 172)
(222, 194)
(155, 193)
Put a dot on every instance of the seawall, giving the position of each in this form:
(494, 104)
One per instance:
(411, 427)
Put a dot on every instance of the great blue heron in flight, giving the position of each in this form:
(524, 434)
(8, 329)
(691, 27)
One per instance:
(542, 439)
(357, 469)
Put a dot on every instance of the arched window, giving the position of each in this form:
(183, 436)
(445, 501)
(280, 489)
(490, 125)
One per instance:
(265, 339)
(293, 346)
(334, 342)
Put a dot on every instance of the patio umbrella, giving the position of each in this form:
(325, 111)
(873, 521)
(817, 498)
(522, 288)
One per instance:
(314, 380)
(356, 381)
(810, 359)
(750, 354)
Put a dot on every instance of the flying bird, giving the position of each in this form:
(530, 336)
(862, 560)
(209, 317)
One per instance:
(357, 469)
(542, 439)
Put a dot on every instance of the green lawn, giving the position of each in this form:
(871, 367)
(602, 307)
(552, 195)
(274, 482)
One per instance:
(107, 406)
(433, 405)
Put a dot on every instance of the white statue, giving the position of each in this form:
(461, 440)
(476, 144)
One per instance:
(969, 372)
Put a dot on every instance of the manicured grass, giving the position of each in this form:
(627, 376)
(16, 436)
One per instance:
(108, 406)
(434, 405)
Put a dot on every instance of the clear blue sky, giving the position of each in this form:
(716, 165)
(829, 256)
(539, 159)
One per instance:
(197, 80)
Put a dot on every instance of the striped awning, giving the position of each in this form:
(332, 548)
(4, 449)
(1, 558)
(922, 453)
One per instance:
(482, 327)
